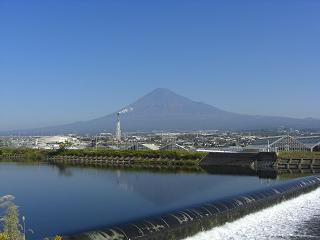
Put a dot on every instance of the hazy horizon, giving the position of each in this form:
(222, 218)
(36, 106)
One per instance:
(63, 62)
(165, 96)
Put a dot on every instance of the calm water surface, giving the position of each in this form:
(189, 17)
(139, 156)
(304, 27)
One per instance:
(70, 200)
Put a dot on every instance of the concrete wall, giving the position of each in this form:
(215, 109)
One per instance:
(238, 159)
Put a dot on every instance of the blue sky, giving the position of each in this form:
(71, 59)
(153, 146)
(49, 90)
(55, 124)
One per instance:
(63, 61)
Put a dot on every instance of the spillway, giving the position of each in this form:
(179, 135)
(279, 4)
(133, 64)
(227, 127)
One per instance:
(190, 221)
(297, 218)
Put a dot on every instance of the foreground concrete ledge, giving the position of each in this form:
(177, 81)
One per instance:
(189, 221)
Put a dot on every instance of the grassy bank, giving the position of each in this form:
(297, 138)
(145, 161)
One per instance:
(26, 153)
(141, 156)
(299, 155)
(144, 154)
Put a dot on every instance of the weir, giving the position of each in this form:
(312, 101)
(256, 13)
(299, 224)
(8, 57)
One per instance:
(189, 221)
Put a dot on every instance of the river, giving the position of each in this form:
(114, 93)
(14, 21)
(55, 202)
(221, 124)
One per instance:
(67, 200)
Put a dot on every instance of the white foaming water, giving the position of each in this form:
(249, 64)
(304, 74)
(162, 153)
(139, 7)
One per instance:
(278, 222)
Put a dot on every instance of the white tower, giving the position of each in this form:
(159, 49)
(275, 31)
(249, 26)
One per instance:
(118, 128)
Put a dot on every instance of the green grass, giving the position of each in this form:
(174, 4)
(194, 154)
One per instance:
(299, 155)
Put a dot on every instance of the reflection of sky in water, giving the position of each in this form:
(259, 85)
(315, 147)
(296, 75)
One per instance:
(67, 200)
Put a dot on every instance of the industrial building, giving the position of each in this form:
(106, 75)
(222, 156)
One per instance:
(174, 146)
(286, 143)
(144, 146)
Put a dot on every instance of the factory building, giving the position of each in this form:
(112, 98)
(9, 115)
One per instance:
(174, 146)
(144, 146)
(286, 143)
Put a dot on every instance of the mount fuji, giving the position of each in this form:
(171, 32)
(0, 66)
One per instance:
(164, 110)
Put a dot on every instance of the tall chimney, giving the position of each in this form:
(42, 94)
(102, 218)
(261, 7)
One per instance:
(118, 128)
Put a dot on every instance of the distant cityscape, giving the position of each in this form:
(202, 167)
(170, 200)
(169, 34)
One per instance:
(281, 139)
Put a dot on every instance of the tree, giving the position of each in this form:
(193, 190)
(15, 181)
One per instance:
(65, 145)
(11, 224)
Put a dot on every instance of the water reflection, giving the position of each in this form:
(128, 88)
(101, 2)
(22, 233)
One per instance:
(64, 170)
(65, 200)
(268, 173)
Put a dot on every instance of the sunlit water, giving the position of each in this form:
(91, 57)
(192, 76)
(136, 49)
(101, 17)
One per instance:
(57, 200)
(296, 219)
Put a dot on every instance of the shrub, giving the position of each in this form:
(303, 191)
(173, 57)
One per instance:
(11, 224)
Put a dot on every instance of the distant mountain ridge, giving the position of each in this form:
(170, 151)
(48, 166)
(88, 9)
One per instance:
(164, 110)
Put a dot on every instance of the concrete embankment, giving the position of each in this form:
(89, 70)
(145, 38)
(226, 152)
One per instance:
(262, 159)
(297, 163)
(186, 222)
(13, 157)
(258, 161)
(101, 161)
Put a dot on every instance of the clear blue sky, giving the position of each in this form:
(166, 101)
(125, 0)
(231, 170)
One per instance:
(62, 61)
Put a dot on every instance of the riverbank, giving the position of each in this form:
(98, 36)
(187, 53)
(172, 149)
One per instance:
(164, 159)
(106, 157)
(298, 155)
(23, 154)
(298, 161)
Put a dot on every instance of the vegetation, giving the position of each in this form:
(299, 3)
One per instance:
(11, 226)
(298, 155)
(141, 158)
(3, 236)
(64, 146)
(144, 154)
(27, 153)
